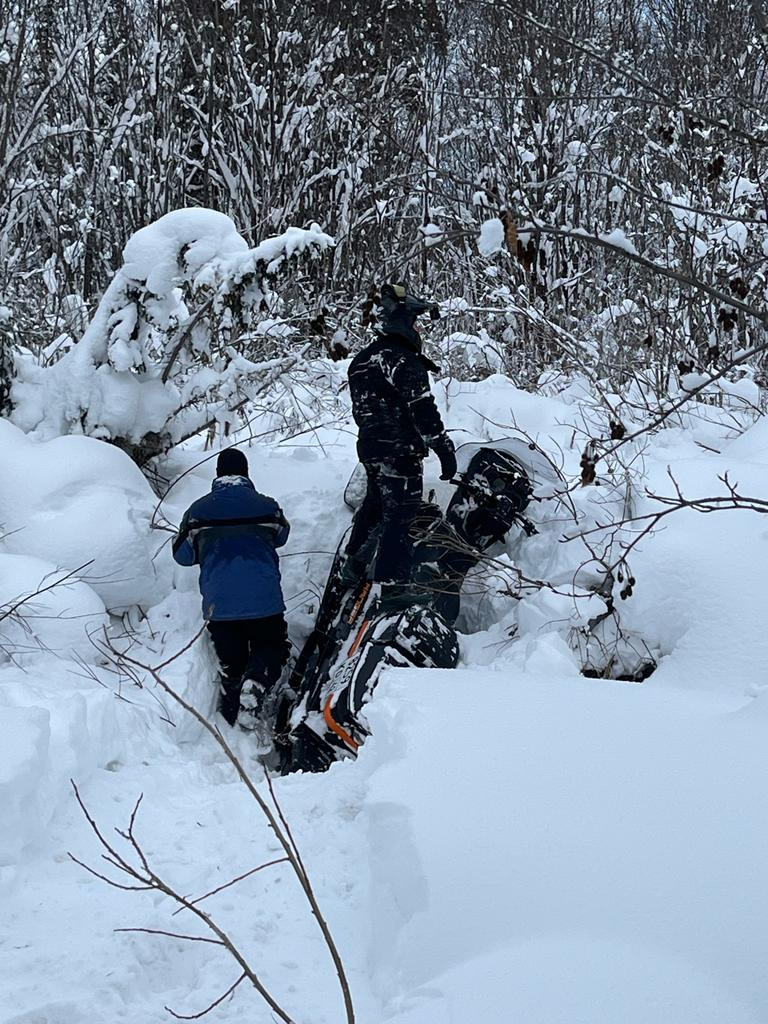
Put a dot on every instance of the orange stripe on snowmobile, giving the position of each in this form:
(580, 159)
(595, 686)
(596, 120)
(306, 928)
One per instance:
(359, 603)
(334, 726)
(359, 638)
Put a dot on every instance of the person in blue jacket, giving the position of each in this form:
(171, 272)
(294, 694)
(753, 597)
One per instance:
(232, 534)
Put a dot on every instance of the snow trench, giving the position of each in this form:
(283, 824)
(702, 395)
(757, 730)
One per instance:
(514, 842)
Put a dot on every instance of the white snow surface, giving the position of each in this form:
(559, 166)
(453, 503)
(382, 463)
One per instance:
(601, 860)
(44, 608)
(515, 842)
(83, 506)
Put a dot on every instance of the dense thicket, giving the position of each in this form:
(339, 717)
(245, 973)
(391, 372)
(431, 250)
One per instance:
(400, 129)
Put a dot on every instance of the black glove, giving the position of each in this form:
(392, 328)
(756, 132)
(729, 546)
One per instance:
(445, 451)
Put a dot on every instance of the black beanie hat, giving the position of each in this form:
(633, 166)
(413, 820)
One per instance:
(231, 462)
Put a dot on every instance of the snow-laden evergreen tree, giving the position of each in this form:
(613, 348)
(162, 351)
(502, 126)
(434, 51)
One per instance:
(182, 338)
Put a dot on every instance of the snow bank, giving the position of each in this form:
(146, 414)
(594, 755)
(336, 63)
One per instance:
(492, 408)
(699, 597)
(43, 608)
(82, 504)
(700, 590)
(576, 979)
(752, 445)
(58, 723)
(600, 855)
(23, 760)
(61, 719)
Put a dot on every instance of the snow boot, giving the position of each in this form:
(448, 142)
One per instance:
(253, 718)
(229, 701)
(353, 570)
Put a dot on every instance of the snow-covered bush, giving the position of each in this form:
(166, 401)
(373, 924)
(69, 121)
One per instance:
(179, 340)
(471, 356)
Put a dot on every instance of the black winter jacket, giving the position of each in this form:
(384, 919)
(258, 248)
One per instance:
(392, 405)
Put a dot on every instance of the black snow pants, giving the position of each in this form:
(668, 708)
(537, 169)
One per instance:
(248, 649)
(389, 508)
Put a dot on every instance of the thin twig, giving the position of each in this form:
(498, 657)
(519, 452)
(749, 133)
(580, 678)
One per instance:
(212, 1006)
(240, 878)
(172, 935)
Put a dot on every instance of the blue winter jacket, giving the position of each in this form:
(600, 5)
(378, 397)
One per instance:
(232, 534)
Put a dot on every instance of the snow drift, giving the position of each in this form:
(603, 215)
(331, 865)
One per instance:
(515, 841)
(83, 506)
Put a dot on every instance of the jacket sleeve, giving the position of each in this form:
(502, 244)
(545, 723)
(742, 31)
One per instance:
(273, 525)
(183, 549)
(412, 382)
(284, 529)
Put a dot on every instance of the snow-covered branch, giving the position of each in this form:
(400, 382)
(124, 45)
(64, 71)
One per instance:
(174, 329)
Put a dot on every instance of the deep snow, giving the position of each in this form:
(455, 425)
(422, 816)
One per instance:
(600, 858)
(515, 842)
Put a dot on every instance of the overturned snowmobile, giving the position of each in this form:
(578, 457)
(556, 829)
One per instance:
(353, 641)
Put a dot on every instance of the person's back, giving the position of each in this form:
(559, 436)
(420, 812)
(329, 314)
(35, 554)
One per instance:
(392, 404)
(232, 533)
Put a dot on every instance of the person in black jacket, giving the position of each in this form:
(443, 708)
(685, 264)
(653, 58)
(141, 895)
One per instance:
(398, 423)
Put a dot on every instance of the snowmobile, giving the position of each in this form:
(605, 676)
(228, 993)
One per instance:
(353, 639)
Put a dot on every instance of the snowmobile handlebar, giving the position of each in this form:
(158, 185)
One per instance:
(460, 480)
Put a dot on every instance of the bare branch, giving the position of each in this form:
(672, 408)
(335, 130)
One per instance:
(234, 881)
(150, 879)
(212, 1006)
(172, 935)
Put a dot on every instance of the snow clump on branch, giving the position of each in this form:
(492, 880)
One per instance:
(187, 299)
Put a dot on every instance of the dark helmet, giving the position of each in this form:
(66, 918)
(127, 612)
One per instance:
(399, 312)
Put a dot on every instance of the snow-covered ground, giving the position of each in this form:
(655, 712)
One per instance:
(597, 854)
(515, 842)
